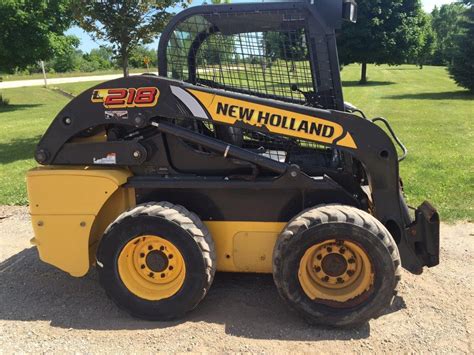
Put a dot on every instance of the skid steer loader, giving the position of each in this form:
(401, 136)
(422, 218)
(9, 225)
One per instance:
(241, 156)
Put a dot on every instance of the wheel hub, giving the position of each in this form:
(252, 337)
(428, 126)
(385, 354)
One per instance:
(334, 264)
(156, 261)
(152, 267)
(335, 270)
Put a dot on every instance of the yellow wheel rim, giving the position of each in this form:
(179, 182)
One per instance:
(335, 270)
(151, 267)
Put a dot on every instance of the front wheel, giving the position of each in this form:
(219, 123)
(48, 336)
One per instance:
(336, 265)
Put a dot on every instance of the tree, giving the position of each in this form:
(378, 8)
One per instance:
(445, 23)
(424, 52)
(461, 67)
(138, 54)
(385, 33)
(289, 46)
(68, 58)
(100, 58)
(30, 31)
(124, 23)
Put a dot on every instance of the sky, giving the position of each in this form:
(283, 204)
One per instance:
(87, 43)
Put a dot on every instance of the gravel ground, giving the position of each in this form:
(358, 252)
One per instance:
(43, 309)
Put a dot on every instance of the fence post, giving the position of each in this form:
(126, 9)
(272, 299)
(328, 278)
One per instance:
(44, 74)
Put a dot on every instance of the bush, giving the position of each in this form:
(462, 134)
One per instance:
(3, 101)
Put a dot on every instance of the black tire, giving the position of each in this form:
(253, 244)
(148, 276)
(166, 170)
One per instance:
(179, 226)
(318, 224)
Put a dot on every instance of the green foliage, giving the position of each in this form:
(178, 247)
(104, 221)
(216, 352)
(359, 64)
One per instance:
(30, 31)
(423, 53)
(445, 23)
(98, 59)
(124, 23)
(285, 45)
(461, 67)
(216, 49)
(138, 55)
(68, 58)
(387, 31)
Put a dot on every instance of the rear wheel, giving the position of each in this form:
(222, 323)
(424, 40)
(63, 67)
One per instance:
(336, 265)
(156, 261)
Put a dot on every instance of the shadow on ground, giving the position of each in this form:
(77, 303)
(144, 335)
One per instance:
(447, 95)
(248, 305)
(369, 83)
(10, 107)
(18, 149)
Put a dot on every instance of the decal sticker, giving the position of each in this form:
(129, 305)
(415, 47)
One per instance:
(111, 158)
(231, 111)
(122, 97)
(117, 115)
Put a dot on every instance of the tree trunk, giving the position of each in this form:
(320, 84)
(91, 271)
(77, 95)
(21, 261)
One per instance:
(363, 74)
(125, 63)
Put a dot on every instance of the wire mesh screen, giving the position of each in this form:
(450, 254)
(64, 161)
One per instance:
(262, 63)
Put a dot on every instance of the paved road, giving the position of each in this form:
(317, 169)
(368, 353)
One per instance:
(54, 81)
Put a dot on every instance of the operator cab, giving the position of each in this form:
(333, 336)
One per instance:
(283, 51)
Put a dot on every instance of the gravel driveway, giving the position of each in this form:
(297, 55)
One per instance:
(43, 309)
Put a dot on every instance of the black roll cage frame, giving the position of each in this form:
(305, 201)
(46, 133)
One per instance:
(320, 31)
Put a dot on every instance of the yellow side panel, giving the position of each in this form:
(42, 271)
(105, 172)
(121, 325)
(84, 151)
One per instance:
(244, 246)
(72, 191)
(63, 241)
(70, 208)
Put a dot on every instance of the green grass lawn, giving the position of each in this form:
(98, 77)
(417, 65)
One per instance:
(431, 115)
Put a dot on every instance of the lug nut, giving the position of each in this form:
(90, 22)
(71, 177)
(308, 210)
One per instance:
(350, 272)
(340, 280)
(162, 275)
(170, 256)
(142, 255)
(319, 257)
(342, 250)
(142, 266)
(351, 261)
(170, 268)
(329, 249)
(162, 248)
(317, 269)
(325, 278)
(151, 274)
(137, 154)
(150, 247)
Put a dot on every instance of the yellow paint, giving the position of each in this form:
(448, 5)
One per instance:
(319, 283)
(244, 246)
(140, 278)
(70, 208)
(347, 141)
(292, 119)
